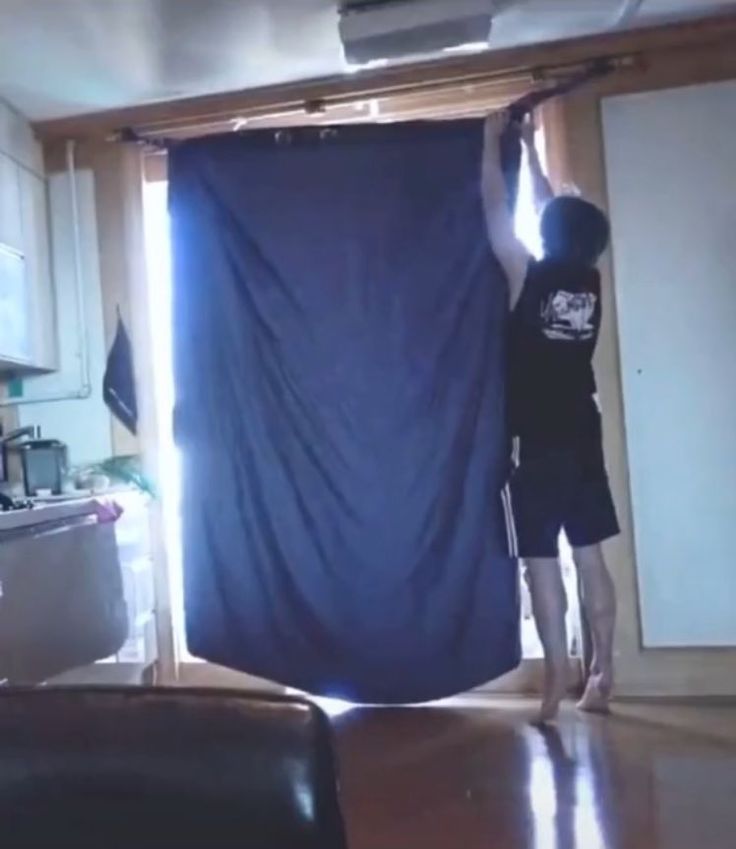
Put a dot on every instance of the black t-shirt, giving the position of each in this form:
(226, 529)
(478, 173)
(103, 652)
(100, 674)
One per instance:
(553, 333)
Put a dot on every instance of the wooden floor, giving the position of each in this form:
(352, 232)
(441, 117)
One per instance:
(481, 777)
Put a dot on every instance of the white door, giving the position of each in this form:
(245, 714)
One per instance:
(670, 162)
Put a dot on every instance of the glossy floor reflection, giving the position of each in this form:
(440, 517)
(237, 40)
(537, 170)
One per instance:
(482, 778)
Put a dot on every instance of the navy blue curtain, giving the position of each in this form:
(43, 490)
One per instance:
(339, 350)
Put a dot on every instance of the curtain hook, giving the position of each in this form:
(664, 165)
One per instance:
(282, 137)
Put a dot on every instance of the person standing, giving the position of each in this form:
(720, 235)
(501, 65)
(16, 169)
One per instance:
(558, 480)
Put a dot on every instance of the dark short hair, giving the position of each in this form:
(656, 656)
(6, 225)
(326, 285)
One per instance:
(574, 230)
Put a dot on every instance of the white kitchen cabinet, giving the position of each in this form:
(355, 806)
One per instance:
(27, 314)
(15, 335)
(18, 141)
(40, 299)
(11, 229)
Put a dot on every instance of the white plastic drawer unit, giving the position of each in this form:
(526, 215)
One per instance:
(15, 336)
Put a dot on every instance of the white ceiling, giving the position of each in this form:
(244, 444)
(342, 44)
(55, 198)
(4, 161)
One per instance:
(65, 57)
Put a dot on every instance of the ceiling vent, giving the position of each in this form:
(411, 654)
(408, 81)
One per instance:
(379, 30)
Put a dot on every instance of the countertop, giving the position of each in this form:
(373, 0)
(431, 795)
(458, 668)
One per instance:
(46, 513)
(81, 504)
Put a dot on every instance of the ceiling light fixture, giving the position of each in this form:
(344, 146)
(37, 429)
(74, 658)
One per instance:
(402, 29)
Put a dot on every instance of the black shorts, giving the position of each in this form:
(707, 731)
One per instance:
(554, 489)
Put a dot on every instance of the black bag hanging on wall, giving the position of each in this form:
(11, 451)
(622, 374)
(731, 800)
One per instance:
(340, 357)
(118, 385)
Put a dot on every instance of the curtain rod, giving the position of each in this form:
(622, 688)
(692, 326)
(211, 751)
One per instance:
(154, 135)
(330, 101)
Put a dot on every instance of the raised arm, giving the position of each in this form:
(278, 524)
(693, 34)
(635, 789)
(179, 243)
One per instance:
(541, 187)
(512, 255)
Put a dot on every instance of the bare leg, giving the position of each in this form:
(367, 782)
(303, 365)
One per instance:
(549, 603)
(599, 601)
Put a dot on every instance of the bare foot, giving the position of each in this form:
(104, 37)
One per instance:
(555, 690)
(597, 696)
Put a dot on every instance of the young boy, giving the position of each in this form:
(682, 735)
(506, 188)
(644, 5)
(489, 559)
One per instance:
(559, 480)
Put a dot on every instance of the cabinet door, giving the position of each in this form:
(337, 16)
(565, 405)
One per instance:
(15, 342)
(34, 219)
(11, 229)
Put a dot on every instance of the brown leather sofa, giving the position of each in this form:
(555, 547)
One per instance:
(149, 768)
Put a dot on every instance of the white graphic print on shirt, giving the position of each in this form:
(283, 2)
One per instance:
(568, 316)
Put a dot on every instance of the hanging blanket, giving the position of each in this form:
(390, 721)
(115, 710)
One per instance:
(340, 358)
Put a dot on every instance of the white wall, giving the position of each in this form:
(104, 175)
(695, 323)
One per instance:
(671, 170)
(83, 424)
